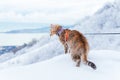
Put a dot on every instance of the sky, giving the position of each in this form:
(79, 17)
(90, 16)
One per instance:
(65, 12)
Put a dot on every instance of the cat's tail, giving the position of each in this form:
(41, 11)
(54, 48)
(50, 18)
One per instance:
(89, 63)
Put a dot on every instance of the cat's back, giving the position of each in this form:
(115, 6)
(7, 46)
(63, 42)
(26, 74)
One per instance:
(76, 34)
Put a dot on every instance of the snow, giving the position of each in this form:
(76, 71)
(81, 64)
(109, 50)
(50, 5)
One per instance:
(63, 68)
(46, 60)
(43, 50)
(105, 20)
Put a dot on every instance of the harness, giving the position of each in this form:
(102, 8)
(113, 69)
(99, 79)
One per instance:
(66, 33)
(60, 31)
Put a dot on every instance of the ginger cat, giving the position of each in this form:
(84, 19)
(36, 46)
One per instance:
(75, 41)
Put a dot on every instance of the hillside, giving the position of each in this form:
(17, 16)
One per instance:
(63, 68)
(105, 20)
(44, 49)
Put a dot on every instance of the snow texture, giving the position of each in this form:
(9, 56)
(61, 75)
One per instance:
(63, 68)
(105, 20)
(45, 49)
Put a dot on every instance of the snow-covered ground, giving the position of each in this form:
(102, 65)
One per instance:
(63, 68)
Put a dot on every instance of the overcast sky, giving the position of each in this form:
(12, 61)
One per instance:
(48, 11)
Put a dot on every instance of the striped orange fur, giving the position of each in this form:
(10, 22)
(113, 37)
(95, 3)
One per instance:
(76, 42)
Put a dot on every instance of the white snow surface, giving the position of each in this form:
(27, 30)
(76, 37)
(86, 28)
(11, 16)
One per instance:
(63, 68)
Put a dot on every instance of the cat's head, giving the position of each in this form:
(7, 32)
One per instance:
(54, 29)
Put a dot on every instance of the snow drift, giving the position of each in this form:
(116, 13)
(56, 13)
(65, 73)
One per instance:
(45, 48)
(63, 68)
